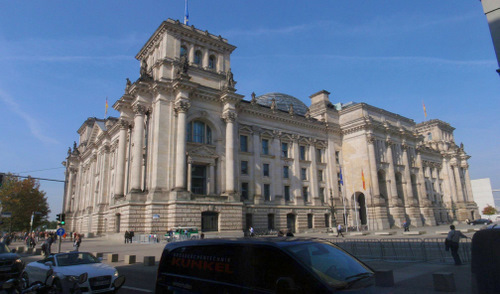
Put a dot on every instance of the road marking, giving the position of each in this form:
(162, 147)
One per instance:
(137, 289)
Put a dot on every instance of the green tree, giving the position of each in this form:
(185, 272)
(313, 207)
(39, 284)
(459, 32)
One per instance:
(489, 210)
(23, 197)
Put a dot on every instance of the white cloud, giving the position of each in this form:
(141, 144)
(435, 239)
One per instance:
(32, 123)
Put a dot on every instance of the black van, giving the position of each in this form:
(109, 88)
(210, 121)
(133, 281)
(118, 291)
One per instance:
(267, 265)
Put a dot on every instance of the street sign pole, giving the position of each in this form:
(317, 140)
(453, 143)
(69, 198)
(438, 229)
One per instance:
(59, 247)
(60, 232)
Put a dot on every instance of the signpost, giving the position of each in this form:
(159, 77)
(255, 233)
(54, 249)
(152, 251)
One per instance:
(60, 232)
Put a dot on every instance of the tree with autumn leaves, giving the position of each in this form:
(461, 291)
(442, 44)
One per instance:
(489, 210)
(22, 197)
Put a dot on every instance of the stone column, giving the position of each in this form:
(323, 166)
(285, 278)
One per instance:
(375, 189)
(276, 167)
(425, 205)
(313, 181)
(395, 204)
(138, 139)
(296, 182)
(189, 173)
(211, 181)
(181, 108)
(410, 204)
(120, 160)
(257, 170)
(230, 117)
(468, 187)
(458, 183)
(69, 190)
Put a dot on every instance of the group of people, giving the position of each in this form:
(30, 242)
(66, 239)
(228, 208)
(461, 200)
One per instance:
(129, 236)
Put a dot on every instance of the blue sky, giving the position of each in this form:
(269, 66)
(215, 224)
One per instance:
(59, 60)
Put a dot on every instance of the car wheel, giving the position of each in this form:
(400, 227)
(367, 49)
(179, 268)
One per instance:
(57, 287)
(26, 280)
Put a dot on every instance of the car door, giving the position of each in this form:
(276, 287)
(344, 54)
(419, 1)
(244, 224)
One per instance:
(39, 270)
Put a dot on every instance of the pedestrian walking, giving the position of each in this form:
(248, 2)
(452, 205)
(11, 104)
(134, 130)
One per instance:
(453, 240)
(131, 235)
(78, 241)
(252, 233)
(339, 231)
(406, 226)
(127, 237)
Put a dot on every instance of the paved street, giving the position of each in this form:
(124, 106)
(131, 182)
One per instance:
(409, 277)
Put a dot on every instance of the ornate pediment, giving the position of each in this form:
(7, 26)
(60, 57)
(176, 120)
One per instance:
(201, 153)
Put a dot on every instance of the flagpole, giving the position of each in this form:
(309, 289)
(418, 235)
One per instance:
(356, 212)
(346, 222)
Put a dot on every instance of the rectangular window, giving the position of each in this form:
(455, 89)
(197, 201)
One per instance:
(244, 191)
(287, 193)
(318, 155)
(337, 157)
(286, 171)
(267, 192)
(243, 143)
(305, 194)
(320, 175)
(302, 152)
(265, 146)
(303, 174)
(284, 150)
(266, 170)
(310, 221)
(322, 194)
(270, 221)
(244, 167)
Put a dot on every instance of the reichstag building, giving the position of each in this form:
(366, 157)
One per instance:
(188, 150)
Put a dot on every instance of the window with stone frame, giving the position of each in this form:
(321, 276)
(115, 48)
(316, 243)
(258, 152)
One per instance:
(302, 152)
(319, 157)
(212, 62)
(305, 194)
(286, 171)
(244, 191)
(265, 169)
(265, 146)
(267, 192)
(286, 192)
(320, 175)
(199, 132)
(197, 57)
(183, 51)
(244, 167)
(284, 150)
(309, 220)
(243, 143)
(337, 157)
(303, 174)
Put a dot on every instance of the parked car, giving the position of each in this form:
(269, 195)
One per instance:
(11, 265)
(481, 221)
(255, 265)
(183, 233)
(66, 266)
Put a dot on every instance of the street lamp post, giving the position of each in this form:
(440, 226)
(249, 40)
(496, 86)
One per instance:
(33, 219)
(332, 209)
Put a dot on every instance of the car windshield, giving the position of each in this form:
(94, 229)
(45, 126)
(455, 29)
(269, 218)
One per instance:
(4, 248)
(330, 263)
(75, 259)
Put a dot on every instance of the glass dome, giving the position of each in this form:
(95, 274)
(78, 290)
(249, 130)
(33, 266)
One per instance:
(283, 102)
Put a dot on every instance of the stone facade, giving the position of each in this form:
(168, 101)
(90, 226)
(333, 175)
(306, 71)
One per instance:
(187, 150)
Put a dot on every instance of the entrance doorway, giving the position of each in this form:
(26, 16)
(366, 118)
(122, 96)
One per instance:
(290, 222)
(209, 221)
(117, 223)
(362, 208)
(199, 179)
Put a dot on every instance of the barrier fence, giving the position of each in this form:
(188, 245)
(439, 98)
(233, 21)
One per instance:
(410, 249)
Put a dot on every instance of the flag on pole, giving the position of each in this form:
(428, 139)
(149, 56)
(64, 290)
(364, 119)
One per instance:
(340, 177)
(186, 13)
(363, 179)
(106, 111)
(425, 110)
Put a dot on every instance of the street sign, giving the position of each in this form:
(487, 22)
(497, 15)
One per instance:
(156, 216)
(6, 214)
(60, 232)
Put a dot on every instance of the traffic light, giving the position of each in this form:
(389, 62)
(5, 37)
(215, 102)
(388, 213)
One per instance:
(63, 217)
(58, 217)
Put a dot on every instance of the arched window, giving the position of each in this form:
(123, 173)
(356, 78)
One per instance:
(211, 62)
(199, 132)
(183, 51)
(197, 57)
